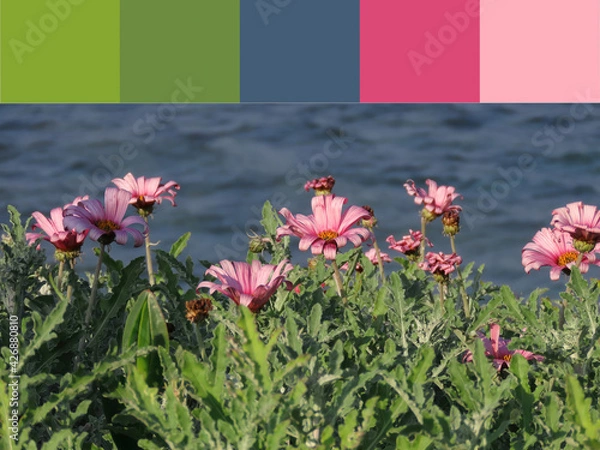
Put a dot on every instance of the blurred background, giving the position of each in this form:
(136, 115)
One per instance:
(512, 163)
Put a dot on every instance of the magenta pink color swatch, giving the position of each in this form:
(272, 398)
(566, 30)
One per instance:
(419, 51)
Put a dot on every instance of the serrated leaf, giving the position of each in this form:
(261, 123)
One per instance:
(520, 368)
(292, 334)
(346, 431)
(180, 245)
(314, 322)
(552, 411)
(43, 330)
(418, 374)
(509, 300)
(580, 407)
(218, 360)
(380, 307)
(75, 385)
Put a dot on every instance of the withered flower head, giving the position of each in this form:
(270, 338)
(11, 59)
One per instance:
(198, 309)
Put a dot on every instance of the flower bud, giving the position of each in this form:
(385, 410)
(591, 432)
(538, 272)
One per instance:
(584, 246)
(256, 245)
(312, 263)
(372, 221)
(451, 222)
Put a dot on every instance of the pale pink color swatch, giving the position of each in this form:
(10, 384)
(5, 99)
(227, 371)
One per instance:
(419, 51)
(540, 51)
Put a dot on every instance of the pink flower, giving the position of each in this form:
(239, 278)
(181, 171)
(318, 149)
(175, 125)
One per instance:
(372, 255)
(105, 223)
(497, 348)
(409, 244)
(581, 221)
(248, 285)
(440, 264)
(54, 231)
(327, 229)
(554, 248)
(322, 186)
(145, 192)
(437, 201)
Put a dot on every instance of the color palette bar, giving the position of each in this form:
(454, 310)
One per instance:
(180, 51)
(299, 51)
(60, 50)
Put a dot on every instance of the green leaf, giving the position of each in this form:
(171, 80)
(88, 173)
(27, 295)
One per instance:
(146, 327)
(511, 303)
(219, 360)
(293, 334)
(380, 307)
(418, 374)
(552, 412)
(467, 393)
(580, 407)
(43, 330)
(347, 434)
(520, 368)
(577, 283)
(270, 219)
(128, 285)
(255, 348)
(314, 323)
(197, 374)
(76, 385)
(180, 245)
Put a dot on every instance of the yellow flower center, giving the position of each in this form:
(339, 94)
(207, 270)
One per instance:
(567, 258)
(107, 225)
(328, 235)
(507, 358)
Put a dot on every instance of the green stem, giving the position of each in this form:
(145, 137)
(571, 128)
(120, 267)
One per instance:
(441, 289)
(453, 245)
(422, 246)
(338, 280)
(561, 315)
(463, 292)
(61, 270)
(91, 304)
(200, 341)
(563, 305)
(379, 260)
(400, 298)
(70, 287)
(149, 258)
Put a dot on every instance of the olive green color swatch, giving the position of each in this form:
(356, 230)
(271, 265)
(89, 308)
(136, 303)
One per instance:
(180, 51)
(60, 51)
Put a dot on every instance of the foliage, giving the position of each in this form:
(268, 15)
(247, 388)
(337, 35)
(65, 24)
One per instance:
(381, 369)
